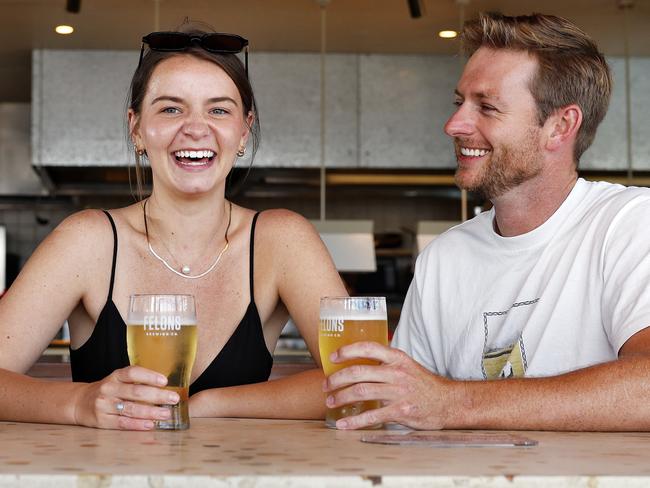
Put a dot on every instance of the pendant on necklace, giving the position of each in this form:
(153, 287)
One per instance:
(186, 270)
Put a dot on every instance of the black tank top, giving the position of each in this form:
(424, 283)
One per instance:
(243, 360)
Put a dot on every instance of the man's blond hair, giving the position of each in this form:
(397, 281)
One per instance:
(570, 70)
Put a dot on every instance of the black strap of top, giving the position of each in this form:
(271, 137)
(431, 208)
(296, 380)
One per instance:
(110, 288)
(252, 255)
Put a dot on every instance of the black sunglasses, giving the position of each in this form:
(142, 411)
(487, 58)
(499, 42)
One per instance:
(214, 42)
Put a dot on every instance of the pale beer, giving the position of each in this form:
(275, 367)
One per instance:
(343, 321)
(162, 336)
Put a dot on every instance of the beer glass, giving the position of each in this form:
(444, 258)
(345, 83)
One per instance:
(344, 320)
(161, 336)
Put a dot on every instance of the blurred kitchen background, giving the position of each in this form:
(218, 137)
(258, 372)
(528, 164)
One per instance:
(363, 142)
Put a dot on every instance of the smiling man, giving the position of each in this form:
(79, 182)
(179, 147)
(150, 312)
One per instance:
(532, 315)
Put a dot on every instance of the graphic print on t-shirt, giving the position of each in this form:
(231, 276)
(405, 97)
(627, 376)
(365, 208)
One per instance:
(504, 354)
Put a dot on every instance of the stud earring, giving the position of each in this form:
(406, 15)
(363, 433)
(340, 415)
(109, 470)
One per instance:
(140, 152)
(241, 152)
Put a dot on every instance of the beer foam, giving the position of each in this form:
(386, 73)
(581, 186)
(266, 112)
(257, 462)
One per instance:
(141, 318)
(353, 308)
(353, 315)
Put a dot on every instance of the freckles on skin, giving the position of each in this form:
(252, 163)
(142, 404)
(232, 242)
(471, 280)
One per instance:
(191, 104)
(154, 132)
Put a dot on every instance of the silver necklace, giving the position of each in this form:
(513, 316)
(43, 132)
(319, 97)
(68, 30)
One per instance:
(185, 269)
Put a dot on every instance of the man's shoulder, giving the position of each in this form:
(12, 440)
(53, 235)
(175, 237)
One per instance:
(610, 202)
(606, 193)
(456, 238)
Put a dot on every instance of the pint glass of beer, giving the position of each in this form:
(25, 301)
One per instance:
(161, 336)
(344, 320)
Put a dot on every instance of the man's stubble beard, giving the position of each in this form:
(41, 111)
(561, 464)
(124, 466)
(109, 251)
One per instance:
(506, 168)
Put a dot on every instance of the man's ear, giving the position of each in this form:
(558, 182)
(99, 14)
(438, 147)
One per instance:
(562, 127)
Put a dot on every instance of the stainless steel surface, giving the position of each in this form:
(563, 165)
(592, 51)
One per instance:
(16, 174)
(384, 111)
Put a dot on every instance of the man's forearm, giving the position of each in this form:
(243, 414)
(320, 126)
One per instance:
(298, 396)
(606, 397)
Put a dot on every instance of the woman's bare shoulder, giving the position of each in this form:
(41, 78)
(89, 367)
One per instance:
(289, 234)
(285, 224)
(82, 228)
(70, 254)
(83, 238)
(94, 225)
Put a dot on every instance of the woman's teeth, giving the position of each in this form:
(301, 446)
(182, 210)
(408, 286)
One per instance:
(195, 154)
(194, 158)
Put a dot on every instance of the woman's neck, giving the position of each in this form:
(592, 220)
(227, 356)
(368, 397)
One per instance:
(189, 231)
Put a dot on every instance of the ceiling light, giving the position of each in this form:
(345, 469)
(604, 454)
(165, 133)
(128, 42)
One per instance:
(447, 34)
(64, 29)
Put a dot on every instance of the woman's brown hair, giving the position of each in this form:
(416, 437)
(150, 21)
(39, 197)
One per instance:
(230, 63)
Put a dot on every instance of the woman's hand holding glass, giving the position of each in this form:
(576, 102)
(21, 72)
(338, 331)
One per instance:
(126, 399)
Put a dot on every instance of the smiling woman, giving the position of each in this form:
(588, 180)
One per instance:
(233, 98)
(191, 122)
(191, 115)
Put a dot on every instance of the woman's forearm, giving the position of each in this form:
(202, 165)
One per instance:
(298, 396)
(26, 399)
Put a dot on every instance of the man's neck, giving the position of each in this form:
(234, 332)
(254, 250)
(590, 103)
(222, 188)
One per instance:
(532, 203)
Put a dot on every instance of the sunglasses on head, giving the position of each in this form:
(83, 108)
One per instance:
(214, 42)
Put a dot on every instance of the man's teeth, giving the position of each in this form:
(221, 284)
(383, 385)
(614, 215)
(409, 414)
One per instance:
(194, 154)
(473, 152)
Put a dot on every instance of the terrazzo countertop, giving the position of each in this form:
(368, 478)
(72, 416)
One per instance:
(279, 453)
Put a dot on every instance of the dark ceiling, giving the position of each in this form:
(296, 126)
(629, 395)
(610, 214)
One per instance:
(377, 26)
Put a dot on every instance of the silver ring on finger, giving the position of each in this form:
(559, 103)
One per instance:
(119, 406)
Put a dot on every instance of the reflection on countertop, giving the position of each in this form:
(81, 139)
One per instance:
(295, 453)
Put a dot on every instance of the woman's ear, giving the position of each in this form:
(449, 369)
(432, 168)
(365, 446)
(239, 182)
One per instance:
(562, 127)
(248, 126)
(133, 121)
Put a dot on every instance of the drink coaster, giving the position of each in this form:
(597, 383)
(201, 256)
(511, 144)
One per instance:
(451, 439)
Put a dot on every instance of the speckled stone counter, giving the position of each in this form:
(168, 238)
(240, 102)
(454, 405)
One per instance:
(251, 453)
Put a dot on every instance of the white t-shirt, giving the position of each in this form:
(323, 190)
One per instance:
(564, 296)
